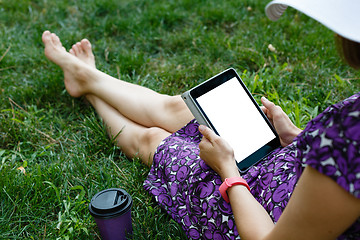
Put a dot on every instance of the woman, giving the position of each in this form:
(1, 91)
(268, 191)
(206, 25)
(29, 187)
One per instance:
(189, 165)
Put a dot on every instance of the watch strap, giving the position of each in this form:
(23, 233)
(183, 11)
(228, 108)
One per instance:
(229, 182)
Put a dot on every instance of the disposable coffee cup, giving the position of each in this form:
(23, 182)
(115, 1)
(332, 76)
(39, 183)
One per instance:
(111, 209)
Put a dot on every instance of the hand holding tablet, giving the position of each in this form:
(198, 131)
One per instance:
(224, 104)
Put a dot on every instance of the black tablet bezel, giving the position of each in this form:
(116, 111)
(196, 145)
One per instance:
(216, 81)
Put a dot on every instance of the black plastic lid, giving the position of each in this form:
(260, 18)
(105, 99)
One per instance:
(110, 203)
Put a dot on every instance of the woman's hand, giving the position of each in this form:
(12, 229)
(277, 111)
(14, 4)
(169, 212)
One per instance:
(284, 127)
(217, 154)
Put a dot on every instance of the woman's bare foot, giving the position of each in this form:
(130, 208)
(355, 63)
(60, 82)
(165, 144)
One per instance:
(83, 51)
(76, 71)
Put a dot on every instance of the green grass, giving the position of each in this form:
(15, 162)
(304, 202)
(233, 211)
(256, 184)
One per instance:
(166, 45)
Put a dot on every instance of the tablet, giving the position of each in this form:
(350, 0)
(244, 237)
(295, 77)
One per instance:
(224, 104)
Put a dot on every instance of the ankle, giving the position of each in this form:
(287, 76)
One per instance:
(83, 76)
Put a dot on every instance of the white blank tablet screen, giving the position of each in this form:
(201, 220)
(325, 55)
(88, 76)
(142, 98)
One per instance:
(236, 118)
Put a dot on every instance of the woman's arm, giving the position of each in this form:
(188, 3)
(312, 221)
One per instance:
(318, 209)
(252, 221)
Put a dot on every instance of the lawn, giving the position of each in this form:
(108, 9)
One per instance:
(54, 150)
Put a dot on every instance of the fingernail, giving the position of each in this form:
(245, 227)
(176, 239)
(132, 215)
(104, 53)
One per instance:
(202, 128)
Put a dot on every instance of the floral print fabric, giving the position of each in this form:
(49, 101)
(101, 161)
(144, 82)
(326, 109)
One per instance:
(187, 188)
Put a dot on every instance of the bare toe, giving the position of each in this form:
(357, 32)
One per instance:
(79, 48)
(75, 50)
(45, 36)
(86, 45)
(53, 47)
(56, 40)
(83, 51)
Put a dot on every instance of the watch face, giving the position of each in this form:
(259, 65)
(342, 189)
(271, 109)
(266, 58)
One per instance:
(222, 189)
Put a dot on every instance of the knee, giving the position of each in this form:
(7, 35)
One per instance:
(175, 105)
(150, 139)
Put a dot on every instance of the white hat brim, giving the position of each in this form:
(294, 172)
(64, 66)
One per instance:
(341, 16)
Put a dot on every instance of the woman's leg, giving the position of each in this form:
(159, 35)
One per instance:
(139, 104)
(134, 139)
(79, 69)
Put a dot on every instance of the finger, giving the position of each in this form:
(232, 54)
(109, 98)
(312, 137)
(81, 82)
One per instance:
(204, 143)
(264, 109)
(207, 132)
(270, 108)
(267, 103)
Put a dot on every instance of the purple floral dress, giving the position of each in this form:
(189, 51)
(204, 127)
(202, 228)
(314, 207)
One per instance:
(189, 190)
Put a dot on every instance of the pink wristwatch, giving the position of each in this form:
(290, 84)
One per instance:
(229, 182)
